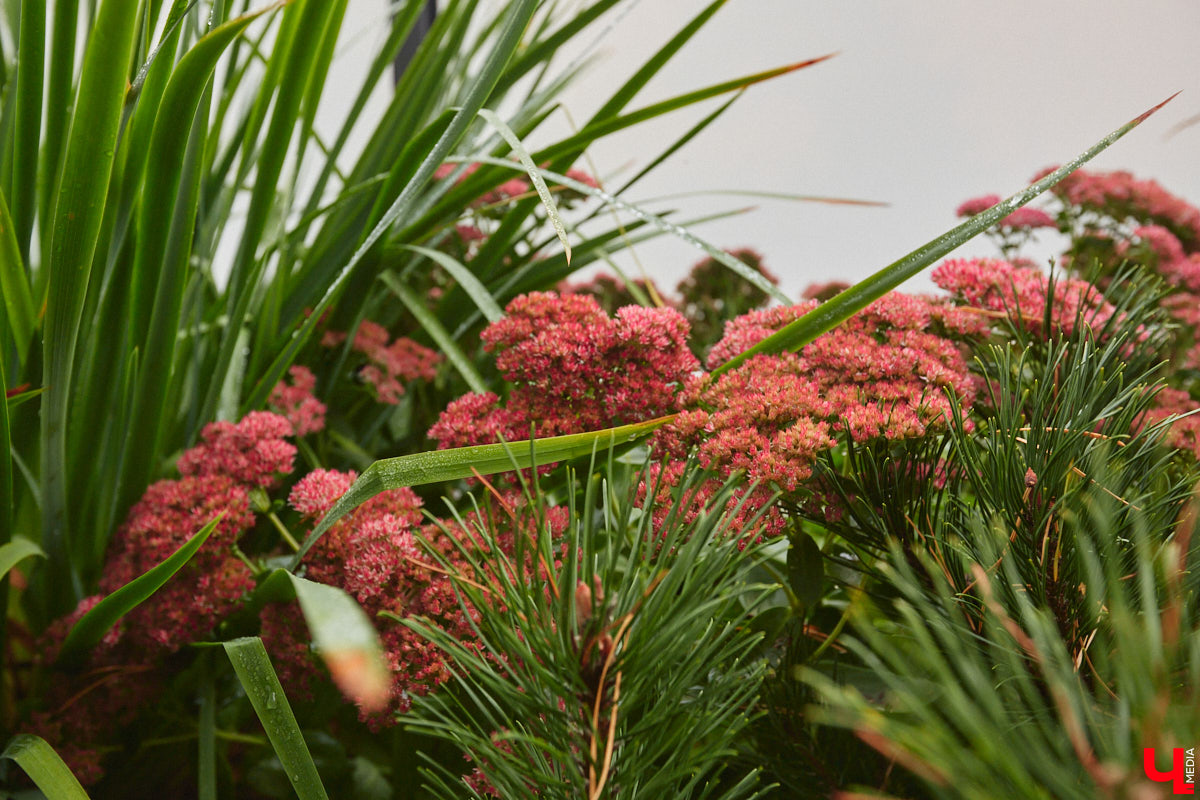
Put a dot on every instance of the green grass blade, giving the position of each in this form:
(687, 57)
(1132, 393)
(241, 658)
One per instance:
(680, 142)
(206, 734)
(58, 104)
(78, 211)
(14, 283)
(746, 273)
(92, 626)
(607, 126)
(470, 284)
(16, 551)
(44, 767)
(433, 326)
(292, 66)
(27, 133)
(832, 313)
(639, 79)
(531, 169)
(7, 498)
(540, 53)
(258, 678)
(516, 18)
(462, 462)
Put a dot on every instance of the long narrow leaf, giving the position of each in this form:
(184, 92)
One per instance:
(437, 332)
(539, 183)
(258, 678)
(840, 308)
(470, 284)
(92, 626)
(462, 462)
(44, 767)
(87, 165)
(14, 283)
(27, 131)
(168, 212)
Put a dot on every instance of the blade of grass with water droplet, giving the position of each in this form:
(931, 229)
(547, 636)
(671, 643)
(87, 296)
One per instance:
(258, 679)
(746, 273)
(44, 767)
(539, 184)
(437, 466)
(834, 312)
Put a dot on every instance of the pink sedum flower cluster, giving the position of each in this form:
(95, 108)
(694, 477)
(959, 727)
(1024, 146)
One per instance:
(297, 403)
(373, 553)
(217, 478)
(881, 375)
(389, 363)
(1120, 195)
(252, 451)
(572, 368)
(1022, 293)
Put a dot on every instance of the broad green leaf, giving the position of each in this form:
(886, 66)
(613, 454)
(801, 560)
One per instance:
(433, 326)
(484, 301)
(75, 229)
(463, 462)
(92, 626)
(258, 678)
(834, 312)
(44, 767)
(16, 551)
(539, 183)
(346, 640)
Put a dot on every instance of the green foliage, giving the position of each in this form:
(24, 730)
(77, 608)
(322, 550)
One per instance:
(615, 658)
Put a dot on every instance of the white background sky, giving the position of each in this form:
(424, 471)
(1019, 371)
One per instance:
(925, 105)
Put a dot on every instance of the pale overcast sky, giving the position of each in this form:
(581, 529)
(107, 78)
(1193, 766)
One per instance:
(926, 104)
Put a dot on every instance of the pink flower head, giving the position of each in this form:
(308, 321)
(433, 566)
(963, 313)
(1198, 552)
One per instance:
(883, 374)
(573, 368)
(1119, 195)
(391, 363)
(252, 451)
(296, 402)
(1023, 294)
